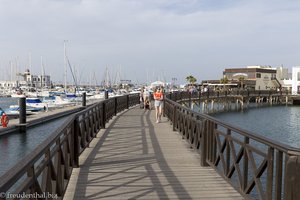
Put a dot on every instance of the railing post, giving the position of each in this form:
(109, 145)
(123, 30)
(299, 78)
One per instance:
(228, 151)
(212, 146)
(103, 119)
(76, 145)
(116, 105)
(164, 106)
(214, 142)
(59, 173)
(270, 173)
(278, 174)
(245, 165)
(174, 118)
(204, 144)
(127, 101)
(22, 114)
(292, 178)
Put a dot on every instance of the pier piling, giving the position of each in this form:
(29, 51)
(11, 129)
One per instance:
(22, 114)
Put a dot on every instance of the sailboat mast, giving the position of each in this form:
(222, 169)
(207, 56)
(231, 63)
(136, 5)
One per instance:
(42, 72)
(29, 60)
(65, 61)
(11, 71)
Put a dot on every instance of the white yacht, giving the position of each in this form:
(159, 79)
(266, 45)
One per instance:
(36, 103)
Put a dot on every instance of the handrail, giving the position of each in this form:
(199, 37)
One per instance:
(47, 170)
(260, 138)
(259, 167)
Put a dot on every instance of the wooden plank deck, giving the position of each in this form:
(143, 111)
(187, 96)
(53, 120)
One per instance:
(135, 158)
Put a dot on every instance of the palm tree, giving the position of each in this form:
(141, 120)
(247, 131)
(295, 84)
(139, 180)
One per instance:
(224, 81)
(241, 80)
(191, 79)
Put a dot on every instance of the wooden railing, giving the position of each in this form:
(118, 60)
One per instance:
(45, 172)
(217, 94)
(258, 167)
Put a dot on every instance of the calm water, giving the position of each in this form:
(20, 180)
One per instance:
(280, 123)
(15, 146)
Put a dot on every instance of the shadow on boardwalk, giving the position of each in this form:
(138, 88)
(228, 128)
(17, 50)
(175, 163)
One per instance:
(134, 158)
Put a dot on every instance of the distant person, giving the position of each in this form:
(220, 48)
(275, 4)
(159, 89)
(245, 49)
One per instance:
(147, 102)
(158, 103)
(142, 95)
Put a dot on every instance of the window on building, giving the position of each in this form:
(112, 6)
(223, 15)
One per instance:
(258, 75)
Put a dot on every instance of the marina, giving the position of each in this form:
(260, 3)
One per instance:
(149, 100)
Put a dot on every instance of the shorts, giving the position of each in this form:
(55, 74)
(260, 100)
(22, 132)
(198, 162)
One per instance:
(158, 103)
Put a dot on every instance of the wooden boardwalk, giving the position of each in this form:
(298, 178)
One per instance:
(135, 158)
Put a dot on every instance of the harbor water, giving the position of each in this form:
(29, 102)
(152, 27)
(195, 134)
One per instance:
(15, 146)
(279, 123)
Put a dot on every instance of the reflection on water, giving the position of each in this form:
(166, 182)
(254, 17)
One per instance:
(280, 123)
(15, 146)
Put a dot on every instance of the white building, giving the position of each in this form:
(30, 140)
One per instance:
(8, 84)
(296, 80)
(292, 84)
(254, 77)
(282, 73)
(36, 81)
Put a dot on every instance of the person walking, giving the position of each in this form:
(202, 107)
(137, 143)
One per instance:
(142, 98)
(158, 103)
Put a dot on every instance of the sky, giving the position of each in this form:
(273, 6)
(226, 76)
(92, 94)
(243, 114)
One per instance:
(146, 40)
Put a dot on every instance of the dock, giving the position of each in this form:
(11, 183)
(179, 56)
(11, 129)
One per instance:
(135, 158)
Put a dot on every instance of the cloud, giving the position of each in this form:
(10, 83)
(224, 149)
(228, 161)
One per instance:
(178, 37)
